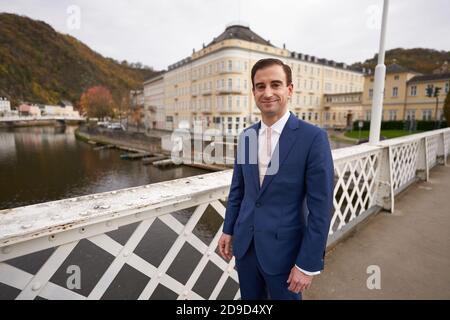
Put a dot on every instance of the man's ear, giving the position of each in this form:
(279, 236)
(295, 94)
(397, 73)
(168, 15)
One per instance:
(291, 89)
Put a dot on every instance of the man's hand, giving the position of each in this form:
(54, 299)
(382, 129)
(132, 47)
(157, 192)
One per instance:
(298, 281)
(225, 246)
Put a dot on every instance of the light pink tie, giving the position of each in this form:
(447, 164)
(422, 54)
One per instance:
(269, 143)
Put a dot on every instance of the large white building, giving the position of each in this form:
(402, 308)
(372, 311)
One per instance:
(214, 84)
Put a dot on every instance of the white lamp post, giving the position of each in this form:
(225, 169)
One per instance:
(378, 88)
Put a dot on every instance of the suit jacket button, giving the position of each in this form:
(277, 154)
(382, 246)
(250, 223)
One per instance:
(258, 204)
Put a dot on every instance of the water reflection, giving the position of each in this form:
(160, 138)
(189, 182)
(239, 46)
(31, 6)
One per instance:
(41, 164)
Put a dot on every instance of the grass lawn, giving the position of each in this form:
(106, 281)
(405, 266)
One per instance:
(386, 133)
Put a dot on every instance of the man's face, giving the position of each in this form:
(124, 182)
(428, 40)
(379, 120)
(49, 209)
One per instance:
(271, 92)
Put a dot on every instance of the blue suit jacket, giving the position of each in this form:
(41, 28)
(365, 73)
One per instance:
(287, 230)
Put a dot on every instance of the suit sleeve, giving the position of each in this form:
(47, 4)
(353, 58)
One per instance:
(234, 198)
(319, 182)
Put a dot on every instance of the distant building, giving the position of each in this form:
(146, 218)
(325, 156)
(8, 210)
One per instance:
(29, 110)
(340, 110)
(405, 94)
(213, 85)
(5, 105)
(155, 116)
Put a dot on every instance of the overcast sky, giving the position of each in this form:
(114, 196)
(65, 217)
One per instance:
(159, 33)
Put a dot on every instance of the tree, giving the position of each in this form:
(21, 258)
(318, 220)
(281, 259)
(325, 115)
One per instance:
(97, 102)
(136, 116)
(447, 108)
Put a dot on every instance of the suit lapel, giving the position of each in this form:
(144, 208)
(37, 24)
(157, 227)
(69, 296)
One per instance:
(285, 143)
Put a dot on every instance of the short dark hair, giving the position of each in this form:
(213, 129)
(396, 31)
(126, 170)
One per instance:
(264, 63)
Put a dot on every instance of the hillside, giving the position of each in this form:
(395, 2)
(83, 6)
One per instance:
(418, 59)
(38, 64)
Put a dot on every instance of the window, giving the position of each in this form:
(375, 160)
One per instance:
(410, 115)
(316, 116)
(426, 114)
(368, 115)
(230, 65)
(245, 84)
(230, 84)
(370, 93)
(413, 91)
(395, 91)
(396, 77)
(229, 102)
(309, 116)
(303, 115)
(238, 102)
(392, 115)
(447, 85)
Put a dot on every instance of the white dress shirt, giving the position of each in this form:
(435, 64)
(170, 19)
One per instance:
(267, 141)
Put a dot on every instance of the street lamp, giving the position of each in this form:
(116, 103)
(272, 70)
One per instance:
(378, 88)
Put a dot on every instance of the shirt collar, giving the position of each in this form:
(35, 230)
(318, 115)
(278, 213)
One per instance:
(277, 126)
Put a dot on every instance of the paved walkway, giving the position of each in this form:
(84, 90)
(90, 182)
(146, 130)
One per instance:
(411, 247)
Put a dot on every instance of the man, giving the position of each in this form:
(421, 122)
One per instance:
(278, 245)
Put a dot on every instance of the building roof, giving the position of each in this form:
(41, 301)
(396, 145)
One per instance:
(240, 32)
(430, 77)
(396, 68)
(158, 75)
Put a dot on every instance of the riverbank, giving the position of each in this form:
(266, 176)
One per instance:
(135, 142)
(131, 146)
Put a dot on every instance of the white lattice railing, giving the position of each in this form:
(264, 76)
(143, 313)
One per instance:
(160, 240)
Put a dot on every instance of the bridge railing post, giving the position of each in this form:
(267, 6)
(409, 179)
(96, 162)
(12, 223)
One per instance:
(385, 191)
(422, 164)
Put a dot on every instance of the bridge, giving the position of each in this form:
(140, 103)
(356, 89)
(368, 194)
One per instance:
(13, 119)
(109, 239)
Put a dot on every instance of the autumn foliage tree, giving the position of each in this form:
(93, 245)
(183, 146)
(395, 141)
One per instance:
(447, 108)
(97, 102)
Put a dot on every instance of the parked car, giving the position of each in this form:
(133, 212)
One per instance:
(116, 126)
(103, 124)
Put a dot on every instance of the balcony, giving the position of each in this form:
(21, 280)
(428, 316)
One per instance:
(230, 90)
(232, 70)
